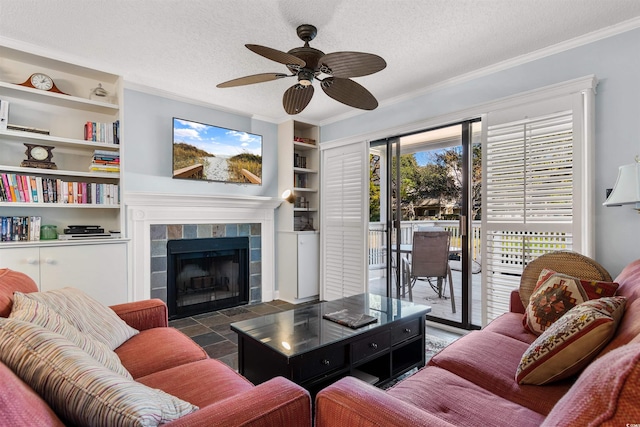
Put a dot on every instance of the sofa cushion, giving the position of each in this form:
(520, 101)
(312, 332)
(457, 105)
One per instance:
(87, 315)
(461, 402)
(628, 329)
(606, 393)
(202, 383)
(510, 325)
(570, 344)
(490, 360)
(32, 311)
(157, 349)
(21, 406)
(76, 386)
(11, 281)
(557, 293)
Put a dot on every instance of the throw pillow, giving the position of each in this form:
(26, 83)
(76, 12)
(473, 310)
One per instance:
(557, 293)
(87, 315)
(40, 314)
(570, 344)
(76, 386)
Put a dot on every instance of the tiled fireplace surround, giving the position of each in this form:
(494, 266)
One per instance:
(152, 219)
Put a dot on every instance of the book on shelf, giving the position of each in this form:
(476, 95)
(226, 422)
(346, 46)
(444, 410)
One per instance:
(346, 317)
(20, 228)
(102, 132)
(27, 129)
(4, 114)
(36, 189)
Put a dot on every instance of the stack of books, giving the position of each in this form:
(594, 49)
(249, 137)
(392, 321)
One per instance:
(105, 161)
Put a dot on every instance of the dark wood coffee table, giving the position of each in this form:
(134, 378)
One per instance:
(314, 352)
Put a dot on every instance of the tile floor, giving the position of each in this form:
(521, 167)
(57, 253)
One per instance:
(212, 331)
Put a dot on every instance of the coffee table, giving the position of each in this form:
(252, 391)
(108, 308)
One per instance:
(300, 345)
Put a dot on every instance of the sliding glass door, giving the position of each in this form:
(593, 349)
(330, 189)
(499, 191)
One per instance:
(428, 181)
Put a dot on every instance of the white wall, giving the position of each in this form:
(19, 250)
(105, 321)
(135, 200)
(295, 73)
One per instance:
(147, 151)
(616, 64)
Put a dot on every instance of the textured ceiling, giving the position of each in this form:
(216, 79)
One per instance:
(186, 47)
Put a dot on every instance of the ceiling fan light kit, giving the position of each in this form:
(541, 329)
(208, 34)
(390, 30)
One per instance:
(334, 72)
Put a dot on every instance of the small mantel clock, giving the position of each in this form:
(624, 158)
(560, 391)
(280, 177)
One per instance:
(42, 82)
(39, 156)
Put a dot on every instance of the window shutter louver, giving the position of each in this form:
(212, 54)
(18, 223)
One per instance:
(343, 221)
(530, 185)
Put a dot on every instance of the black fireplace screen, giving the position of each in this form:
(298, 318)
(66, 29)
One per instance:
(206, 275)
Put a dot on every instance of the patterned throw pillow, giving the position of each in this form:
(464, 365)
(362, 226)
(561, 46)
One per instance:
(35, 312)
(570, 344)
(77, 387)
(557, 293)
(87, 315)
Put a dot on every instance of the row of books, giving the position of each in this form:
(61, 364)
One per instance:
(102, 132)
(300, 180)
(19, 228)
(105, 161)
(37, 189)
(299, 161)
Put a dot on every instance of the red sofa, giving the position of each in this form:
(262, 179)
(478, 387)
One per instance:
(472, 382)
(162, 357)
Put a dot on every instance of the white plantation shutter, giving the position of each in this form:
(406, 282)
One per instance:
(344, 222)
(535, 198)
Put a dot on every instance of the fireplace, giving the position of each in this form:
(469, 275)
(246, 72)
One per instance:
(206, 274)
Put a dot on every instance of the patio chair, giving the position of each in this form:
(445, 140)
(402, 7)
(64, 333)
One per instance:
(429, 262)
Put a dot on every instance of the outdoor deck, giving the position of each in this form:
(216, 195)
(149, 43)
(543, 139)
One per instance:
(423, 294)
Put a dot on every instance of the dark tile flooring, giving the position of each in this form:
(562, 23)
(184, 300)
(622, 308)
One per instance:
(212, 332)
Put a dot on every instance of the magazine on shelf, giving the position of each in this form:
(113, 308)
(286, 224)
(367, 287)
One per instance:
(350, 319)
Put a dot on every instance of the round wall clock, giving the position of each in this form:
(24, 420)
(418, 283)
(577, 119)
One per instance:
(43, 82)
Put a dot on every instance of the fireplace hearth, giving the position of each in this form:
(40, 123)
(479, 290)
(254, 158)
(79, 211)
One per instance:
(206, 274)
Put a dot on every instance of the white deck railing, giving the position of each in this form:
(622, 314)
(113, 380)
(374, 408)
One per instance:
(377, 240)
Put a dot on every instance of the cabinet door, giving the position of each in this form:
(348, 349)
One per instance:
(98, 270)
(25, 260)
(308, 260)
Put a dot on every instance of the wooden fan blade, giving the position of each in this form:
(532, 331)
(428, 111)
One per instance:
(275, 55)
(349, 92)
(352, 64)
(296, 98)
(256, 78)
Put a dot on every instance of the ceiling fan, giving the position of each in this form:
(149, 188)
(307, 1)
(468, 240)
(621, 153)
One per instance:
(333, 71)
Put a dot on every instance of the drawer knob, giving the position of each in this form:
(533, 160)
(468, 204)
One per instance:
(373, 345)
(326, 362)
(407, 330)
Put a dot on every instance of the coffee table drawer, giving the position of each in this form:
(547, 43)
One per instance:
(322, 361)
(371, 345)
(405, 331)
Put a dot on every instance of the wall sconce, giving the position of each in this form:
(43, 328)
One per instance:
(288, 196)
(627, 188)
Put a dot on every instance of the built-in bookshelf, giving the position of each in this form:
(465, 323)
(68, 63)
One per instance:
(66, 189)
(81, 131)
(298, 222)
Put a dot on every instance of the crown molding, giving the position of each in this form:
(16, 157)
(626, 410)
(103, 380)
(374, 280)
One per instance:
(564, 46)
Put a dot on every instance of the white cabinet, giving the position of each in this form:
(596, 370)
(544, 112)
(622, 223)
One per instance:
(298, 273)
(100, 270)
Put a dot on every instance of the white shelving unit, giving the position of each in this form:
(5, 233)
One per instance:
(298, 239)
(64, 116)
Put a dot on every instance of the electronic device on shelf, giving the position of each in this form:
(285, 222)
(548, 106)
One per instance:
(84, 229)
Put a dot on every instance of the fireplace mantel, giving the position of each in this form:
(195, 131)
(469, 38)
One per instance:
(146, 209)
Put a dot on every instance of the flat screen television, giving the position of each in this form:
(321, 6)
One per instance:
(211, 153)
